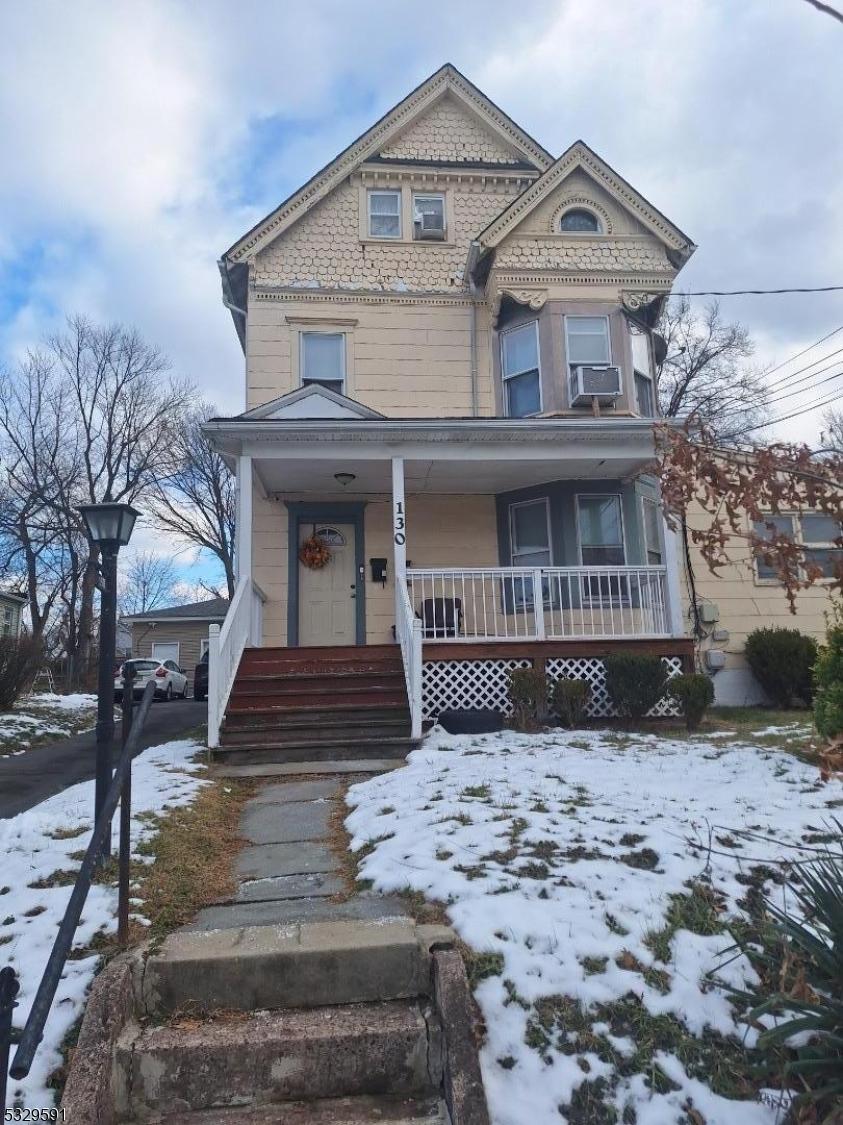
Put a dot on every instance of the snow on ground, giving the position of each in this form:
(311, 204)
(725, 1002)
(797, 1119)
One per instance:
(40, 717)
(37, 844)
(556, 855)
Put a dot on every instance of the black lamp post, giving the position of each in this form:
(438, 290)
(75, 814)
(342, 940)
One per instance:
(110, 527)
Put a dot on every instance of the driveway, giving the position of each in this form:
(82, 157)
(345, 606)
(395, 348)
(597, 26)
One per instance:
(29, 778)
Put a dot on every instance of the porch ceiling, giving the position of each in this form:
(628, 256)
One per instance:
(317, 477)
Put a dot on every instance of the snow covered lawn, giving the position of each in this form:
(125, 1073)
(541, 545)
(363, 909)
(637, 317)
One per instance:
(41, 851)
(44, 718)
(592, 874)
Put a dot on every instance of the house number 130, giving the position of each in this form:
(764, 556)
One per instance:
(400, 537)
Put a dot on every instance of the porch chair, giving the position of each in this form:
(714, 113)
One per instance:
(441, 617)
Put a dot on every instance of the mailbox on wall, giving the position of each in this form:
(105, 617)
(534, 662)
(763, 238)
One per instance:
(378, 570)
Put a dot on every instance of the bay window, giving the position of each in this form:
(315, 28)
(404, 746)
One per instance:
(521, 370)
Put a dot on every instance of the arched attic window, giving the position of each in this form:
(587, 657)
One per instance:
(579, 221)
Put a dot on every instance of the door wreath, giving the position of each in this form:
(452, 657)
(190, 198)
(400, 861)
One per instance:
(314, 553)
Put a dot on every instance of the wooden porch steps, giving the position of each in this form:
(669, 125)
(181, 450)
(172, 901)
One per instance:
(316, 704)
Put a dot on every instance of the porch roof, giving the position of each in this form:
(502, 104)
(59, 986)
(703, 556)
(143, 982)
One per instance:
(441, 455)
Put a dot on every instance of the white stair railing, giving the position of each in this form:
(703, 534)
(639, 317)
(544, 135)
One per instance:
(242, 626)
(408, 632)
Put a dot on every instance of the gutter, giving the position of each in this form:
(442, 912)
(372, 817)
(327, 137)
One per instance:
(238, 314)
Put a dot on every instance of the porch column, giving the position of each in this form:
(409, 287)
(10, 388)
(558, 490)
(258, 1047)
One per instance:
(243, 525)
(675, 613)
(399, 521)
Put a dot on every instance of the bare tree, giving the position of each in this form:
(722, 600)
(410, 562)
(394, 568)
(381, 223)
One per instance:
(85, 419)
(148, 582)
(705, 376)
(195, 494)
(833, 430)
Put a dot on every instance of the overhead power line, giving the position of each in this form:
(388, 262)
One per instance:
(789, 380)
(795, 414)
(805, 390)
(805, 351)
(759, 292)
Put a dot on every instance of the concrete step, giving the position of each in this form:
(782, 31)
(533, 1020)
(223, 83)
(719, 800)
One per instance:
(307, 964)
(392, 1047)
(263, 751)
(331, 1111)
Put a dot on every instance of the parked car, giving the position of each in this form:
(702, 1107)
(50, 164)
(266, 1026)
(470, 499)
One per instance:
(170, 681)
(200, 678)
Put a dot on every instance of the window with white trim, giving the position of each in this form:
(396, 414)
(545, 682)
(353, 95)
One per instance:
(587, 341)
(7, 621)
(520, 369)
(323, 360)
(645, 392)
(652, 519)
(529, 523)
(816, 533)
(579, 221)
(384, 214)
(428, 216)
(600, 523)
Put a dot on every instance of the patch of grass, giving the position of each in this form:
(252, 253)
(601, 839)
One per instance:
(481, 966)
(593, 965)
(631, 840)
(479, 791)
(700, 911)
(67, 833)
(193, 852)
(61, 878)
(645, 859)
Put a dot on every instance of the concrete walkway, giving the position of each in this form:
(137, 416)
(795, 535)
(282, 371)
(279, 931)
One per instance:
(288, 873)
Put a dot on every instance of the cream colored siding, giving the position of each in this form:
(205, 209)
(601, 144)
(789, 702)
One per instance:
(188, 635)
(325, 249)
(744, 604)
(448, 131)
(406, 360)
(455, 531)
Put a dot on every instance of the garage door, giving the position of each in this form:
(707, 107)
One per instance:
(168, 651)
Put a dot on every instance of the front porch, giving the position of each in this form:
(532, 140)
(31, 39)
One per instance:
(477, 549)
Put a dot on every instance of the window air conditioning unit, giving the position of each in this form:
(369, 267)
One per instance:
(428, 226)
(602, 383)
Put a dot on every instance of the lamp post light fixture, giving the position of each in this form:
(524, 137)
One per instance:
(109, 528)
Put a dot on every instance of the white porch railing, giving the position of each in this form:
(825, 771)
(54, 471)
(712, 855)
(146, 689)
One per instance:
(408, 631)
(242, 626)
(544, 603)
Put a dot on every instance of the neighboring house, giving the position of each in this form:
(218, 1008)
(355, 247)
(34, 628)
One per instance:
(449, 380)
(178, 633)
(746, 595)
(11, 614)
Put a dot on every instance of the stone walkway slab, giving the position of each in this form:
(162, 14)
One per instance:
(358, 909)
(290, 886)
(325, 789)
(301, 769)
(277, 823)
(267, 860)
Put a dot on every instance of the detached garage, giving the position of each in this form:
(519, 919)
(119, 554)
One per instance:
(178, 633)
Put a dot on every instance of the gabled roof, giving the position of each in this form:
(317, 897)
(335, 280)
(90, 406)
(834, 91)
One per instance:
(445, 80)
(313, 401)
(212, 609)
(579, 155)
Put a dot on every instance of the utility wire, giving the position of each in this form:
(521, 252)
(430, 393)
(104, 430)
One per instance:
(795, 414)
(826, 9)
(804, 351)
(757, 292)
(805, 390)
(787, 379)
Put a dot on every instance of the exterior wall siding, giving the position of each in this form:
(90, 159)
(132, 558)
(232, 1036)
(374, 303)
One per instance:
(449, 132)
(745, 604)
(188, 634)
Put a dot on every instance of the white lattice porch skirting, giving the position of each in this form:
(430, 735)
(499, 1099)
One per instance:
(457, 684)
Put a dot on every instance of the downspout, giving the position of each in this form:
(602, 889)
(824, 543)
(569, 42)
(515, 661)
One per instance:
(473, 254)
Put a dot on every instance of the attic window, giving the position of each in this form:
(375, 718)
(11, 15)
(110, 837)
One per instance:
(579, 221)
(384, 214)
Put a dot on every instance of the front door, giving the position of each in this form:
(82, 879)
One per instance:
(327, 594)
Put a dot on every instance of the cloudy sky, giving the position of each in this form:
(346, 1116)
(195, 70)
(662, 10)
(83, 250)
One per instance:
(140, 139)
